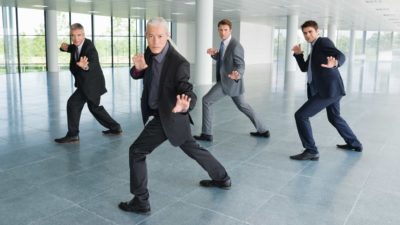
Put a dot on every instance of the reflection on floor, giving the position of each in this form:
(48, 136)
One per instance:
(42, 182)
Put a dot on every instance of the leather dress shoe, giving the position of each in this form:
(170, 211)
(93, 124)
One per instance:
(265, 134)
(113, 132)
(132, 207)
(203, 137)
(306, 156)
(214, 183)
(350, 147)
(67, 139)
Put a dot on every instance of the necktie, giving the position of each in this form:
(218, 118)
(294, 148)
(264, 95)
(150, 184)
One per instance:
(219, 61)
(221, 50)
(309, 72)
(77, 54)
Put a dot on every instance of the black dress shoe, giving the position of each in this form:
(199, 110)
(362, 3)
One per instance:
(265, 134)
(113, 132)
(131, 207)
(350, 147)
(306, 156)
(67, 139)
(214, 183)
(203, 137)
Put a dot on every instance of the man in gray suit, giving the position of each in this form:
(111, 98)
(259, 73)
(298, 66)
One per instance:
(230, 70)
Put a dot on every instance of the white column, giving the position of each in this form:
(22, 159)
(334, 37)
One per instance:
(204, 37)
(291, 40)
(332, 32)
(52, 47)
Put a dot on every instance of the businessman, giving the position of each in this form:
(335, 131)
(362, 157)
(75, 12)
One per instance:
(167, 97)
(229, 72)
(90, 85)
(324, 90)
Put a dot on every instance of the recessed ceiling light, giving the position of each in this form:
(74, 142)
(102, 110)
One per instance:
(83, 1)
(190, 3)
(93, 12)
(137, 8)
(177, 13)
(229, 10)
(40, 6)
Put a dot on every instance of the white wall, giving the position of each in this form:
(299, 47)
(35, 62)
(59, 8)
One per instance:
(185, 40)
(257, 42)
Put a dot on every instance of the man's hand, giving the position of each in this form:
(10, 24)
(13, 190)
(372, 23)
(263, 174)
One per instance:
(83, 63)
(139, 62)
(212, 51)
(297, 49)
(182, 104)
(64, 46)
(331, 62)
(235, 75)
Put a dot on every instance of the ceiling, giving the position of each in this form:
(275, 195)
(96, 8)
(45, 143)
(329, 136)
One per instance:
(347, 14)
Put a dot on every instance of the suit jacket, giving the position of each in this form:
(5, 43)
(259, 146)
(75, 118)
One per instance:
(327, 81)
(174, 80)
(233, 60)
(90, 82)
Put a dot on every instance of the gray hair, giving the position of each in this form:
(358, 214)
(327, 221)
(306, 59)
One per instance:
(77, 26)
(158, 21)
(161, 21)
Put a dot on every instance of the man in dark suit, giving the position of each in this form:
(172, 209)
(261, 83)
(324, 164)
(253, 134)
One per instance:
(229, 71)
(324, 90)
(90, 85)
(167, 97)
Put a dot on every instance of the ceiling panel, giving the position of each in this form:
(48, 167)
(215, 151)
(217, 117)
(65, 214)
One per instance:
(347, 14)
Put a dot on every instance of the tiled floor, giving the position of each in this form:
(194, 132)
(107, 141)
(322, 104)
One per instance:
(42, 182)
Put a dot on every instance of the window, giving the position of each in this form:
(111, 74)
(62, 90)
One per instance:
(63, 24)
(32, 47)
(121, 41)
(102, 39)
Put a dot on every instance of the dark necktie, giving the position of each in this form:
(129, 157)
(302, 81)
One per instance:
(76, 54)
(219, 61)
(221, 50)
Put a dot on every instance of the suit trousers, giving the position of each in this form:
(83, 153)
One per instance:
(216, 93)
(74, 110)
(310, 108)
(152, 136)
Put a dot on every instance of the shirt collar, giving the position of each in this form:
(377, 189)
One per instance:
(226, 41)
(80, 46)
(313, 43)
(160, 57)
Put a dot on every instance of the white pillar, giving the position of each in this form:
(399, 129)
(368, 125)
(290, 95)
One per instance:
(291, 40)
(204, 37)
(52, 46)
(332, 32)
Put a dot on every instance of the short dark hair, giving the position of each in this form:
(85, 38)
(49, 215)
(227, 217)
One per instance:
(225, 22)
(310, 23)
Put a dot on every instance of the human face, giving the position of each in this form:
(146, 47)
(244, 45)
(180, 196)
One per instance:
(157, 37)
(224, 31)
(310, 34)
(77, 36)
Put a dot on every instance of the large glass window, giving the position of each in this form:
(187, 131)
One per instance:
(32, 47)
(102, 39)
(371, 45)
(396, 46)
(138, 39)
(121, 41)
(63, 24)
(343, 41)
(2, 53)
(85, 20)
